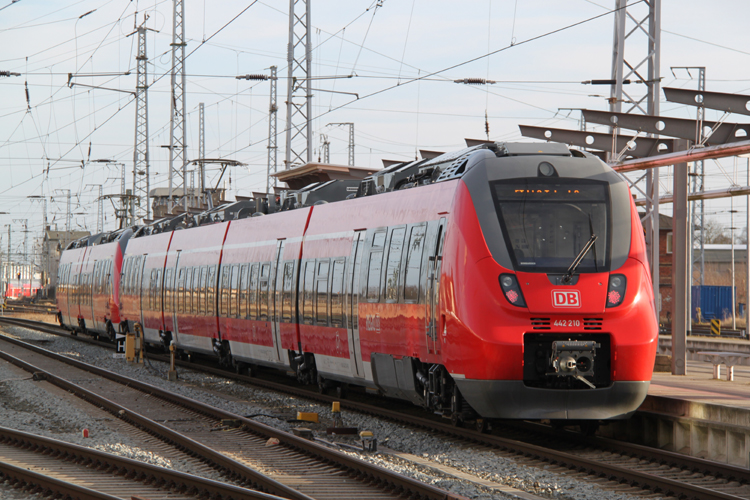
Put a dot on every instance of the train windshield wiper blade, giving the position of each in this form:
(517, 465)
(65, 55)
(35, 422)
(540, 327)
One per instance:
(572, 269)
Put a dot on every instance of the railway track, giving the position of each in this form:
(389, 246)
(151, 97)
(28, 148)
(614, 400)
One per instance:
(11, 307)
(57, 469)
(659, 471)
(292, 467)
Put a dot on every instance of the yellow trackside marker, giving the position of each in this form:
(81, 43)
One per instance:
(336, 407)
(365, 434)
(308, 416)
(716, 327)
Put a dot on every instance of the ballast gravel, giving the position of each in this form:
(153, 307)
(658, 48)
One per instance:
(27, 407)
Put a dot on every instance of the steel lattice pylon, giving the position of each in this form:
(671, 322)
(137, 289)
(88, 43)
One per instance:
(177, 132)
(646, 26)
(202, 152)
(141, 176)
(273, 111)
(299, 90)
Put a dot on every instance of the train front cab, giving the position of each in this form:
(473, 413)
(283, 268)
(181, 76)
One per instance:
(514, 327)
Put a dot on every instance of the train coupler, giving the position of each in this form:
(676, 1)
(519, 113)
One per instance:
(574, 358)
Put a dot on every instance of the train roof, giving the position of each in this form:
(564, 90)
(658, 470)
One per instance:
(432, 168)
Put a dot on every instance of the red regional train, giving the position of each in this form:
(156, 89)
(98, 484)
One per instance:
(500, 281)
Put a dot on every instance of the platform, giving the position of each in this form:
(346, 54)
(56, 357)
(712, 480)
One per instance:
(694, 414)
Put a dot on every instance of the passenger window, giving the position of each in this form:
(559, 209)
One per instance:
(157, 291)
(373, 276)
(152, 291)
(414, 264)
(253, 295)
(243, 291)
(321, 294)
(168, 305)
(394, 264)
(194, 291)
(286, 298)
(224, 294)
(378, 239)
(202, 291)
(263, 295)
(211, 299)
(337, 288)
(189, 291)
(233, 298)
(309, 284)
(181, 291)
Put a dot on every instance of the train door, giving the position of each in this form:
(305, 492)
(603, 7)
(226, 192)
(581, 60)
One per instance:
(351, 295)
(277, 278)
(139, 291)
(434, 265)
(177, 286)
(97, 324)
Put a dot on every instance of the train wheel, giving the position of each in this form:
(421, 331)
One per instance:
(341, 391)
(456, 419)
(240, 368)
(481, 425)
(111, 334)
(589, 428)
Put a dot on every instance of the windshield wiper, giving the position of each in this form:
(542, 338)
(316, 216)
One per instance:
(572, 269)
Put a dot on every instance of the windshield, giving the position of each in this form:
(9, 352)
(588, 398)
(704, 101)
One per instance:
(547, 221)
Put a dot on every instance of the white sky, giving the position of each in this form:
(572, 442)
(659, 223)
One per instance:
(43, 148)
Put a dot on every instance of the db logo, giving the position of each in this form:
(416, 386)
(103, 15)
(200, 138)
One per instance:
(566, 298)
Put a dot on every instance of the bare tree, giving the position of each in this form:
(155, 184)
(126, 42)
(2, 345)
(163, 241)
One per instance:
(716, 232)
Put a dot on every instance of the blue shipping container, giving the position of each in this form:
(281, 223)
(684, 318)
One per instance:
(715, 302)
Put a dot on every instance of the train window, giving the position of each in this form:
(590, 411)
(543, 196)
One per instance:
(168, 295)
(202, 290)
(224, 294)
(414, 264)
(286, 298)
(131, 275)
(189, 290)
(243, 290)
(152, 291)
(234, 294)
(181, 291)
(253, 293)
(321, 294)
(373, 276)
(263, 295)
(378, 239)
(197, 307)
(211, 300)
(157, 291)
(307, 296)
(136, 283)
(337, 288)
(393, 267)
(547, 221)
(124, 275)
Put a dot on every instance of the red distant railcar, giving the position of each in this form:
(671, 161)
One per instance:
(500, 281)
(88, 283)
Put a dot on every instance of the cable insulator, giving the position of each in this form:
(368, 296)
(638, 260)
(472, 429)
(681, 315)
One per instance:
(252, 77)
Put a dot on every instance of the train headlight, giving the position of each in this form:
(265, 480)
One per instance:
(511, 290)
(616, 290)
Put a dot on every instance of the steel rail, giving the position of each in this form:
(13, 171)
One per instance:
(234, 467)
(15, 475)
(124, 467)
(568, 460)
(358, 467)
